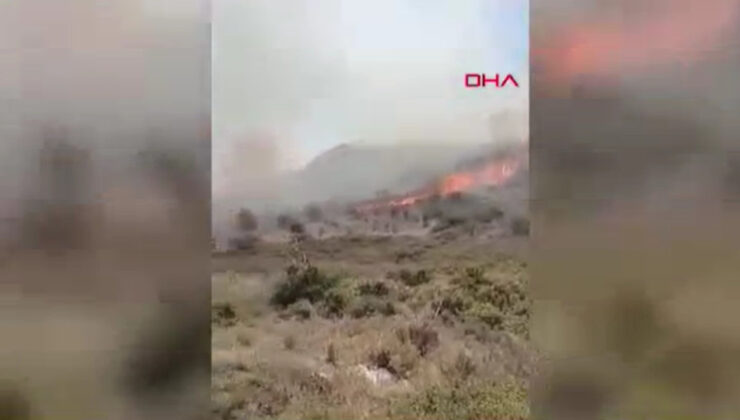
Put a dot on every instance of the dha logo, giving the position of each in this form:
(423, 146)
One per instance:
(473, 80)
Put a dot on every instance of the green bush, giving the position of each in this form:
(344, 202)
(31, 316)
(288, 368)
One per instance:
(307, 283)
(471, 401)
(336, 302)
(499, 303)
(486, 312)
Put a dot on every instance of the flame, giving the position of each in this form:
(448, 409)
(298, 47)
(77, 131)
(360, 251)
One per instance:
(494, 173)
(684, 30)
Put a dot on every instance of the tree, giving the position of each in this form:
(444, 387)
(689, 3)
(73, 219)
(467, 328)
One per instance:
(284, 221)
(297, 228)
(313, 213)
(246, 220)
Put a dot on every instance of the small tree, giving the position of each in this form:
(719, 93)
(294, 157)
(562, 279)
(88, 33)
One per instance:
(297, 228)
(246, 220)
(284, 221)
(313, 213)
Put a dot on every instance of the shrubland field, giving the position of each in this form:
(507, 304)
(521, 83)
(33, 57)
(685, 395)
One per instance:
(423, 320)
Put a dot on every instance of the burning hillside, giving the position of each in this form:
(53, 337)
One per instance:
(493, 172)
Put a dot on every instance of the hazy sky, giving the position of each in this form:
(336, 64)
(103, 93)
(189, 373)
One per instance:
(294, 78)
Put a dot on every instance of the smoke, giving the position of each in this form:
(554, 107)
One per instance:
(633, 147)
(105, 156)
(386, 78)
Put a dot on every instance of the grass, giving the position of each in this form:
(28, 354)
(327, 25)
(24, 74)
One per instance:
(289, 342)
(468, 401)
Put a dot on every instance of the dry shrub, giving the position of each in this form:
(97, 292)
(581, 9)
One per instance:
(371, 305)
(377, 288)
(423, 337)
(414, 278)
(289, 342)
(302, 309)
(464, 365)
(223, 314)
(331, 354)
(400, 361)
(243, 337)
(381, 359)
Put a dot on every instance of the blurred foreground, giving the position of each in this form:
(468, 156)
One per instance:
(635, 227)
(104, 209)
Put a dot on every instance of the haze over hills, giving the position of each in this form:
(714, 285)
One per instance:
(356, 171)
(352, 172)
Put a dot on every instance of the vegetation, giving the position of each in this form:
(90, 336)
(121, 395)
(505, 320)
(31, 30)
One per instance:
(338, 332)
(246, 220)
(304, 283)
(414, 279)
(223, 314)
(313, 213)
(470, 401)
(284, 221)
(297, 228)
(244, 242)
(501, 304)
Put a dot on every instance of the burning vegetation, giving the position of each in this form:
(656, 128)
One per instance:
(494, 172)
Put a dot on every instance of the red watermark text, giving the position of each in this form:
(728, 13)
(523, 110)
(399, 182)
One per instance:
(474, 80)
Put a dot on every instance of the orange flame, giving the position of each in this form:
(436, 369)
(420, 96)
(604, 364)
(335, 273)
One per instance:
(683, 30)
(494, 173)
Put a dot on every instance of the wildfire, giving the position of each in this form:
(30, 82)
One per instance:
(494, 173)
(684, 30)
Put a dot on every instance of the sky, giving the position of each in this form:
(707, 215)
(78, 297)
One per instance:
(292, 79)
